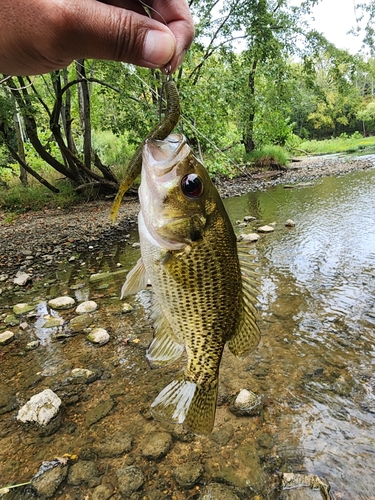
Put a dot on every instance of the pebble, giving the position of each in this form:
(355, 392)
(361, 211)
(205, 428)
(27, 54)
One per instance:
(79, 323)
(102, 492)
(47, 483)
(250, 237)
(266, 229)
(187, 475)
(87, 307)
(81, 472)
(130, 479)
(114, 445)
(23, 308)
(30, 346)
(61, 303)
(6, 337)
(290, 223)
(53, 323)
(127, 308)
(81, 372)
(157, 445)
(41, 408)
(216, 491)
(247, 403)
(21, 278)
(249, 218)
(98, 336)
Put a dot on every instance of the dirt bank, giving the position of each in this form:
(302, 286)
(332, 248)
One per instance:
(37, 239)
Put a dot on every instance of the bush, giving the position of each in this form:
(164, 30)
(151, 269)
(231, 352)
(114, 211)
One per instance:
(269, 157)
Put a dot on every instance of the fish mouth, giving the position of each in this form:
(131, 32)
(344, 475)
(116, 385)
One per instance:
(160, 157)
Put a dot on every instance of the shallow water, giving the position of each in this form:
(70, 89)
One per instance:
(314, 366)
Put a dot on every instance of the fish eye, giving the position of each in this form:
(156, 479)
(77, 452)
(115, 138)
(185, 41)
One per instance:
(192, 186)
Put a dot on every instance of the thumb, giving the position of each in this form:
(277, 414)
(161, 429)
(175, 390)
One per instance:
(103, 31)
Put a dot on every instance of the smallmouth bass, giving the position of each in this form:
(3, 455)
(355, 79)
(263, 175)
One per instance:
(204, 288)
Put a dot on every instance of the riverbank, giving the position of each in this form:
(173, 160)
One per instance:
(35, 241)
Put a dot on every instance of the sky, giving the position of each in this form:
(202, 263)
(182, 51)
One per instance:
(334, 18)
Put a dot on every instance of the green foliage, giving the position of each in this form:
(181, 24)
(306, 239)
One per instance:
(35, 197)
(113, 150)
(343, 144)
(269, 156)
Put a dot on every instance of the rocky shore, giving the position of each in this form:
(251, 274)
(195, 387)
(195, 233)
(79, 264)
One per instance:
(37, 240)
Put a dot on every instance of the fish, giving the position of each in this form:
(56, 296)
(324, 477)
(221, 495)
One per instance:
(204, 287)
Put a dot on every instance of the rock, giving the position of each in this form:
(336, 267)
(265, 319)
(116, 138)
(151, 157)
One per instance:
(107, 276)
(81, 372)
(100, 411)
(19, 309)
(215, 491)
(136, 245)
(87, 307)
(79, 323)
(11, 320)
(157, 445)
(114, 445)
(98, 336)
(130, 479)
(304, 487)
(127, 308)
(30, 346)
(24, 325)
(247, 403)
(102, 492)
(250, 237)
(290, 223)
(266, 229)
(53, 323)
(223, 436)
(81, 472)
(61, 303)
(47, 483)
(3, 277)
(21, 278)
(6, 337)
(41, 408)
(249, 218)
(187, 475)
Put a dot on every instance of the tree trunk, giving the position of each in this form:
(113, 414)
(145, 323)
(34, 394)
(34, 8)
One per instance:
(21, 150)
(248, 135)
(84, 111)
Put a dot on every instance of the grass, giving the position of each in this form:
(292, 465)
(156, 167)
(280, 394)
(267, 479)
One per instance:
(19, 199)
(343, 144)
(269, 157)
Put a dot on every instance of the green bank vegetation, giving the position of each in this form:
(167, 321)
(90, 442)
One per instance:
(284, 91)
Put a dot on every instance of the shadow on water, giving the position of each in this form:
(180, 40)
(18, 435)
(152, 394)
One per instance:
(314, 367)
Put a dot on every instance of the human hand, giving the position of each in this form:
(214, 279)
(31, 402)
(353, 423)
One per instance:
(38, 36)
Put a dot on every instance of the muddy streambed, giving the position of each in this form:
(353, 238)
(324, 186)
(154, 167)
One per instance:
(314, 367)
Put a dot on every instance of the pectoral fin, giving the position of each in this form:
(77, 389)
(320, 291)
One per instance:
(136, 280)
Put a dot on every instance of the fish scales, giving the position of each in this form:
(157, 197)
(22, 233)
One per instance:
(204, 288)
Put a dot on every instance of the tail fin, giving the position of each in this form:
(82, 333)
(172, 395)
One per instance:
(187, 403)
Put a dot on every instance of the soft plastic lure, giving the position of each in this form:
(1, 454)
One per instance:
(160, 132)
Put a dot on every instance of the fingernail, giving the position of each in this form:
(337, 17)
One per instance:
(158, 48)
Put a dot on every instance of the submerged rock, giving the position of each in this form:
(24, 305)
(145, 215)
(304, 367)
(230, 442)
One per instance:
(61, 303)
(87, 307)
(187, 475)
(127, 308)
(6, 337)
(304, 487)
(53, 322)
(157, 445)
(216, 491)
(130, 479)
(41, 408)
(114, 445)
(247, 403)
(98, 336)
(79, 323)
(23, 308)
(82, 472)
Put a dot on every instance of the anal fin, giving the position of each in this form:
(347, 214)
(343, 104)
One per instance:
(136, 280)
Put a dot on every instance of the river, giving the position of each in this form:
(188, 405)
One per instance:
(314, 367)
